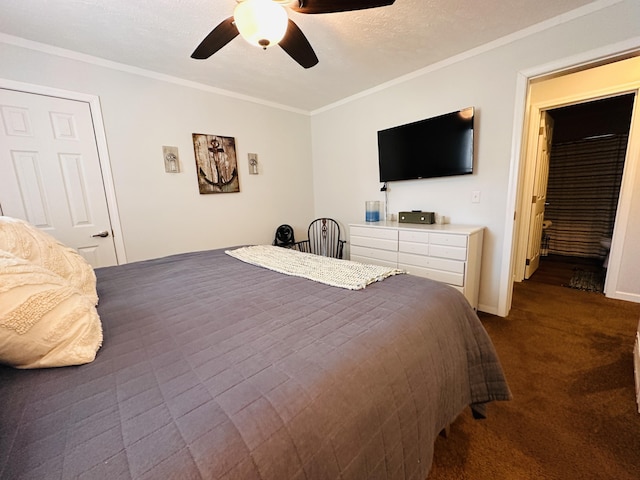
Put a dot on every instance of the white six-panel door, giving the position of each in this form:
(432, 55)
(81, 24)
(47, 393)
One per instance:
(539, 198)
(50, 172)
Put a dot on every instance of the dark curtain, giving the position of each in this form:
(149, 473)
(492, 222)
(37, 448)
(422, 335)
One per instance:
(582, 195)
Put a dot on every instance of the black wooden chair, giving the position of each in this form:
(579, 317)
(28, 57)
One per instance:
(323, 238)
(284, 237)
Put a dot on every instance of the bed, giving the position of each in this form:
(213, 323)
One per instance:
(215, 368)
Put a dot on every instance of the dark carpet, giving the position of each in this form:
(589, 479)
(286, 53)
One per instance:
(568, 358)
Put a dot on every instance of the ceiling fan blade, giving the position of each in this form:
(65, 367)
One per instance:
(332, 6)
(218, 38)
(298, 47)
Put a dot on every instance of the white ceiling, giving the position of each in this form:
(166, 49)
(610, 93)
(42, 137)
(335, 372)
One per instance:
(357, 50)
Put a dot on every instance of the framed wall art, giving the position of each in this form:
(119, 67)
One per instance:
(216, 163)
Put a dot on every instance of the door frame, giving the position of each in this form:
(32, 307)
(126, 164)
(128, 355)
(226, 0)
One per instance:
(518, 165)
(101, 143)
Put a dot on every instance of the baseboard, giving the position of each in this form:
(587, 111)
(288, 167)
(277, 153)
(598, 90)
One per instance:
(488, 309)
(629, 297)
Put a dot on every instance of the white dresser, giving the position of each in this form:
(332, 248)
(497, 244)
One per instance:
(447, 253)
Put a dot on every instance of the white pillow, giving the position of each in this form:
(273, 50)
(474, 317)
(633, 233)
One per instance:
(30, 243)
(44, 321)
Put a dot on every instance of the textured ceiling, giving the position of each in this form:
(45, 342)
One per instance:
(357, 50)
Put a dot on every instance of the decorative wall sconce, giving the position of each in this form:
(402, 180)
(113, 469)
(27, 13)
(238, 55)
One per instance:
(171, 159)
(253, 163)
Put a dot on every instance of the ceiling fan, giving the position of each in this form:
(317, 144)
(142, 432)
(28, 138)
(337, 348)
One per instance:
(265, 23)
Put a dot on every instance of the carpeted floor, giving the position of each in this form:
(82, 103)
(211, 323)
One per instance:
(567, 355)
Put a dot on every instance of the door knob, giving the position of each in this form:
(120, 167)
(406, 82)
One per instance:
(102, 234)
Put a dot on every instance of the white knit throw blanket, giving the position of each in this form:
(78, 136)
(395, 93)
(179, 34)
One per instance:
(330, 271)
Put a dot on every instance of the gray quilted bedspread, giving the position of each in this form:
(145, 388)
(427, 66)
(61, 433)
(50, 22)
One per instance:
(212, 368)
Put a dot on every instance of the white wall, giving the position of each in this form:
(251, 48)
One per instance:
(344, 138)
(163, 213)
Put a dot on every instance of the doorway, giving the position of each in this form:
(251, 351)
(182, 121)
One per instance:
(586, 165)
(550, 89)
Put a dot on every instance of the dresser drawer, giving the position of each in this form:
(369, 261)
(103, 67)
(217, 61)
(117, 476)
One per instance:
(373, 261)
(455, 253)
(456, 279)
(371, 242)
(453, 266)
(411, 247)
(385, 233)
(413, 236)
(373, 254)
(448, 239)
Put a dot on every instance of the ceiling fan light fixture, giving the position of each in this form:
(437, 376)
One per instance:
(262, 23)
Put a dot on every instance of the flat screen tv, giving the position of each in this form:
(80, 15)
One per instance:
(435, 147)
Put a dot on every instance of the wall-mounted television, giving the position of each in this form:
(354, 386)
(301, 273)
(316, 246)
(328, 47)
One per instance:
(434, 147)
